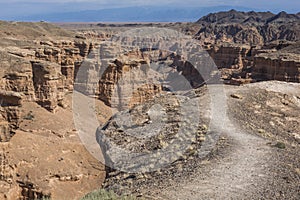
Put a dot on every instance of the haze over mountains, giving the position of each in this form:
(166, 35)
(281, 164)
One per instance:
(131, 10)
(128, 14)
(155, 13)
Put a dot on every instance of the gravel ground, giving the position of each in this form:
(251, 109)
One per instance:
(256, 157)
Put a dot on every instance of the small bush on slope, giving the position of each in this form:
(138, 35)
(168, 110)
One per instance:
(105, 195)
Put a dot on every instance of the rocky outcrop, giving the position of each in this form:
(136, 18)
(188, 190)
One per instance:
(9, 122)
(16, 75)
(153, 133)
(8, 98)
(138, 75)
(16, 86)
(68, 54)
(231, 33)
(38, 63)
(230, 56)
(10, 103)
(283, 17)
(277, 66)
(234, 16)
(234, 61)
(244, 45)
(48, 84)
(126, 83)
(248, 27)
(45, 73)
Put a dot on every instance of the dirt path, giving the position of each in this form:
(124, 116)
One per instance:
(237, 174)
(242, 165)
(238, 171)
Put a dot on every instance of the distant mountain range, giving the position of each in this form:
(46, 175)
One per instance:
(234, 16)
(254, 28)
(131, 14)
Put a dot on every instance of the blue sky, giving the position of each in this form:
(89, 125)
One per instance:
(10, 8)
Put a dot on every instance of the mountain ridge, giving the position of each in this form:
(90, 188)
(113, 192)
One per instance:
(234, 16)
(254, 28)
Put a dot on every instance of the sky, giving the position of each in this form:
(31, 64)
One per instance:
(11, 8)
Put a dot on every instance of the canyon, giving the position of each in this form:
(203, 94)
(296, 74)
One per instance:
(41, 64)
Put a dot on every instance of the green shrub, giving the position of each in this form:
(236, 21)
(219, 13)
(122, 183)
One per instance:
(105, 195)
(45, 198)
(280, 145)
(29, 116)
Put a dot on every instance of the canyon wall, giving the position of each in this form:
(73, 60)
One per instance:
(233, 61)
(34, 75)
(241, 64)
(39, 64)
(247, 46)
(9, 114)
(124, 84)
(276, 66)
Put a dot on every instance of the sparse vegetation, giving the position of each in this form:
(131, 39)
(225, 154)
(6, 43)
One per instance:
(106, 195)
(45, 198)
(29, 116)
(280, 145)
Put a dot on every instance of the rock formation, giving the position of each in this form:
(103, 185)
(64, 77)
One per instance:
(48, 84)
(244, 45)
(9, 114)
(151, 130)
(37, 70)
(40, 64)
(127, 82)
(248, 27)
(277, 66)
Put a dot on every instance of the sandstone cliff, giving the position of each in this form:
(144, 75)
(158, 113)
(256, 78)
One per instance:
(126, 80)
(39, 64)
(231, 58)
(37, 69)
(245, 45)
(277, 66)
(10, 103)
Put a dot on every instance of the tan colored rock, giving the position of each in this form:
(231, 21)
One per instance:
(9, 98)
(48, 84)
(69, 172)
(277, 66)
(10, 103)
(126, 79)
(126, 84)
(230, 56)
(40, 153)
(26, 53)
